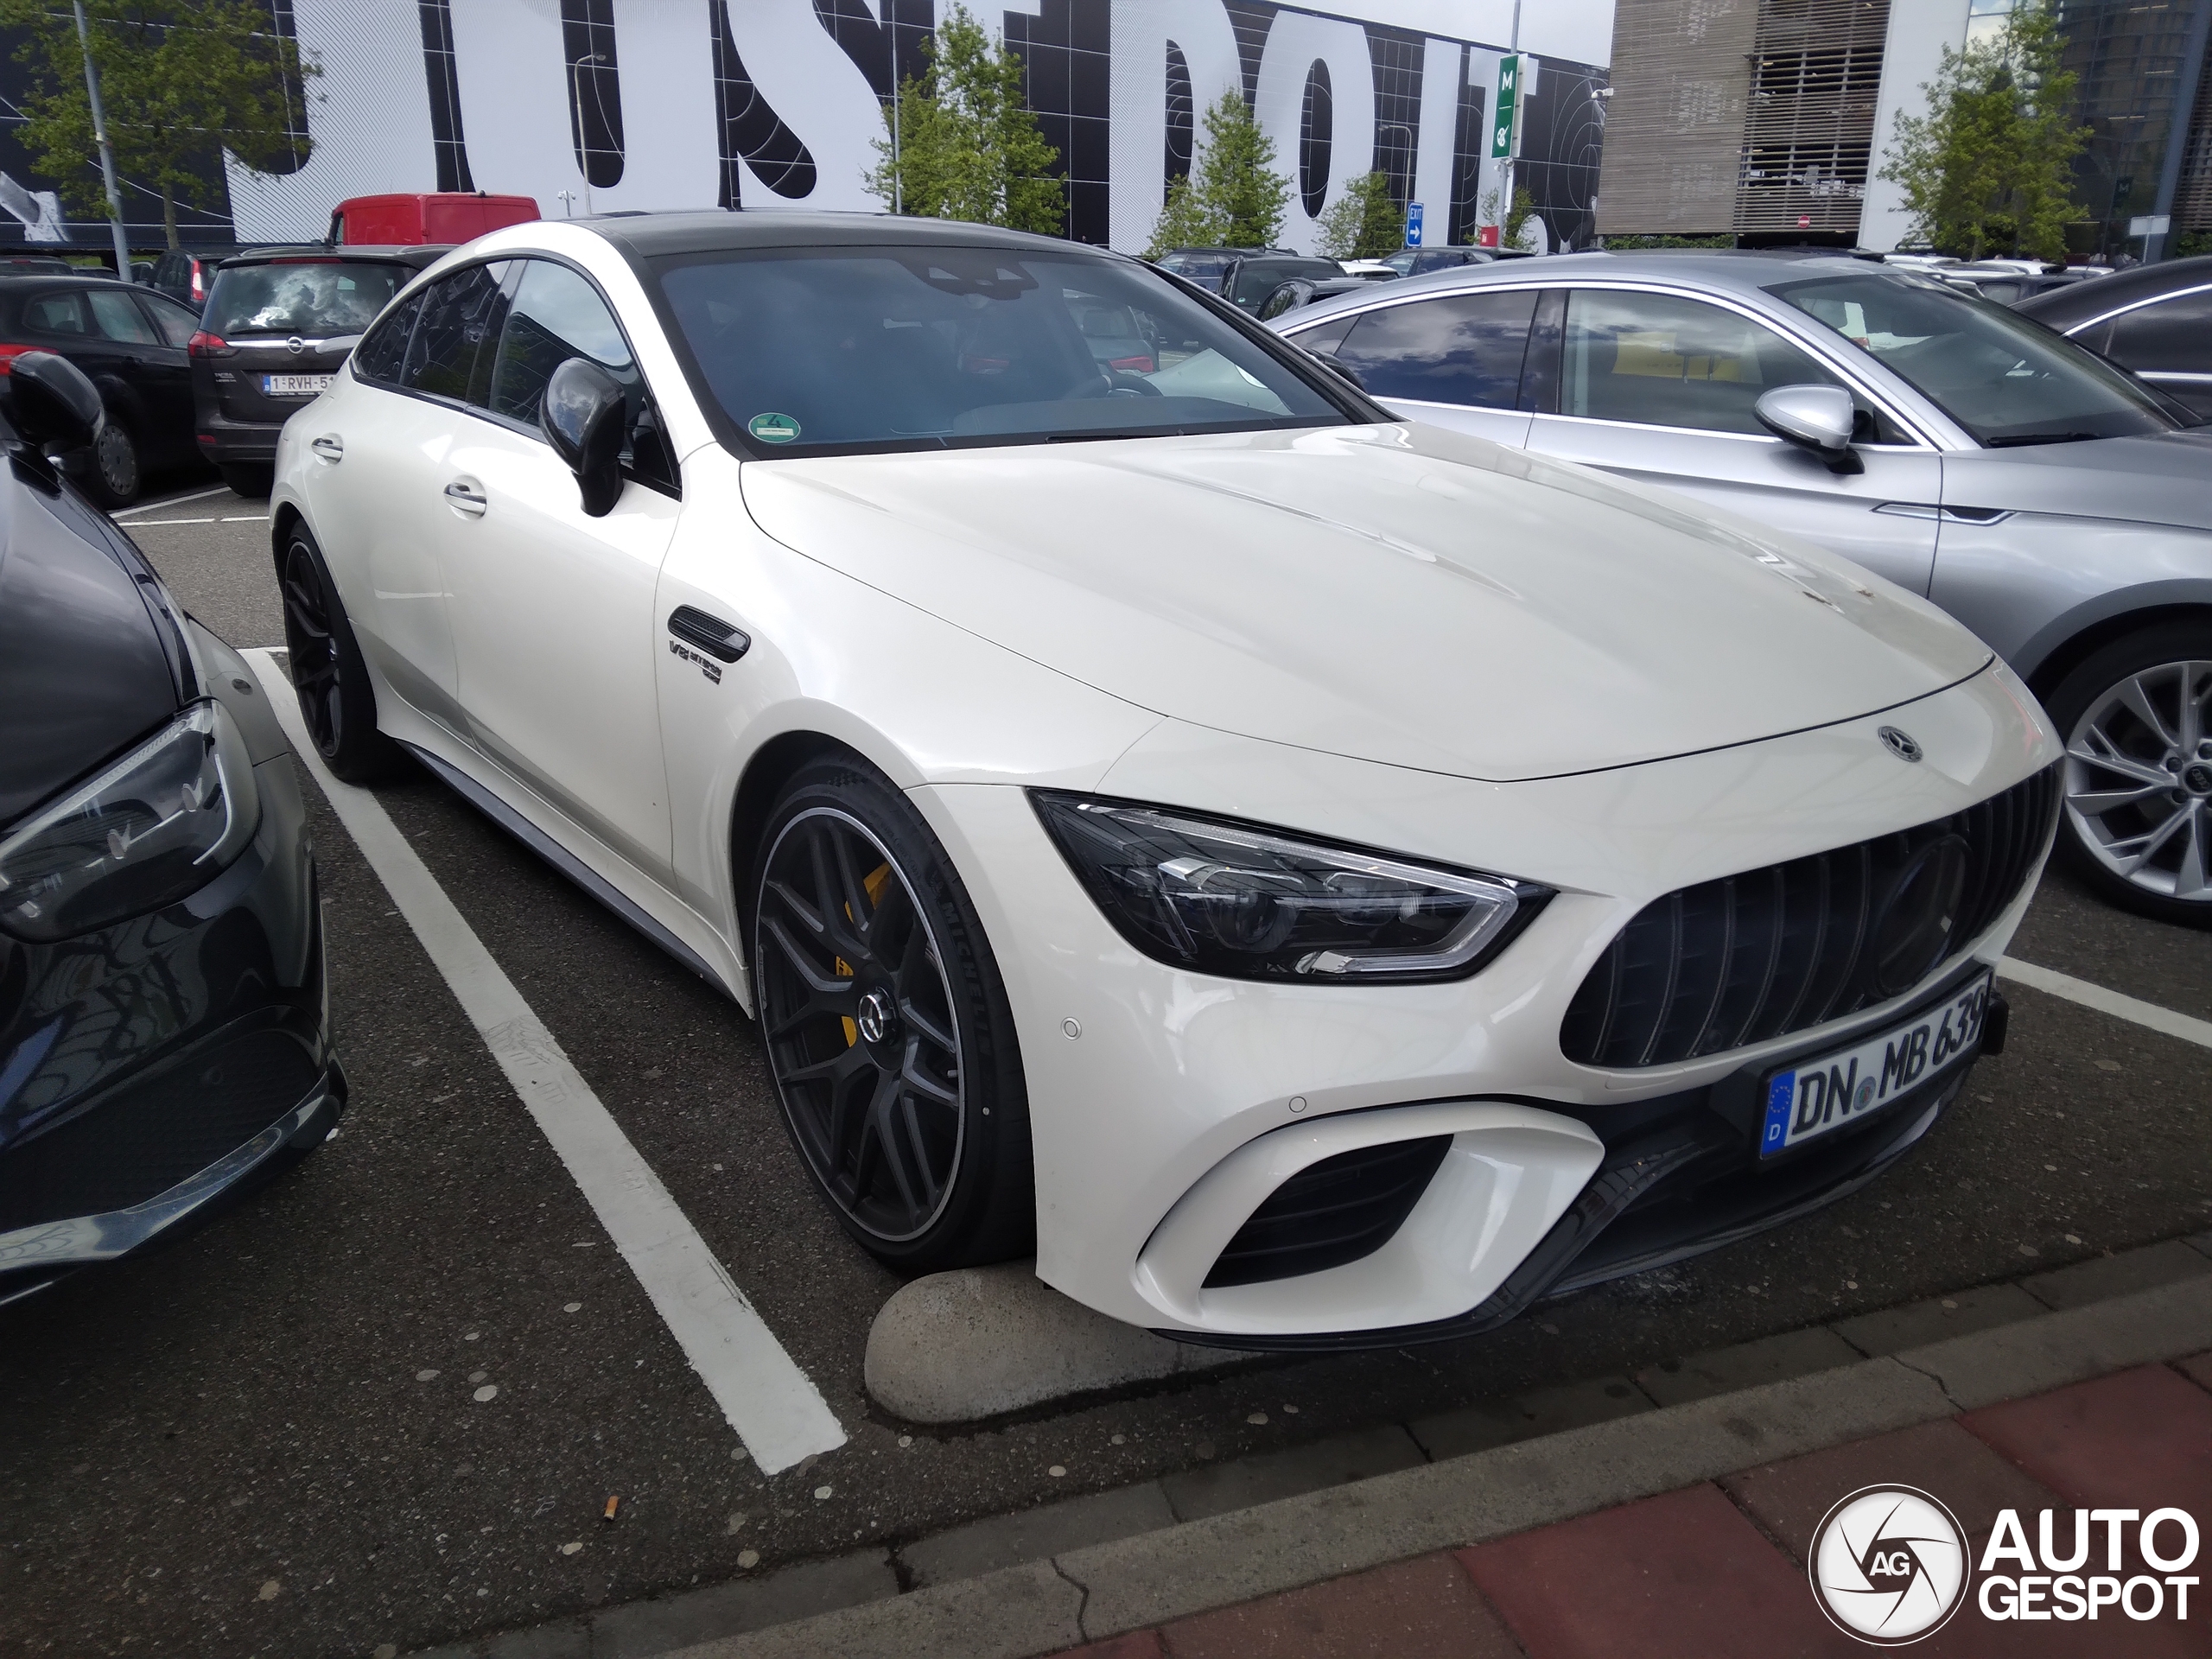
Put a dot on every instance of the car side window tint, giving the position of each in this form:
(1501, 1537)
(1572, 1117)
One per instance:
(1661, 360)
(119, 319)
(1327, 336)
(1457, 348)
(555, 315)
(2173, 336)
(176, 323)
(456, 313)
(57, 313)
(383, 350)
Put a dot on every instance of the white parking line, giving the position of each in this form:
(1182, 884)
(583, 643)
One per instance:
(148, 523)
(2186, 1026)
(248, 518)
(779, 1414)
(173, 502)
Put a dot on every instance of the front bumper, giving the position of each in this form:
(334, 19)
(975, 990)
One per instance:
(1153, 1091)
(165, 1061)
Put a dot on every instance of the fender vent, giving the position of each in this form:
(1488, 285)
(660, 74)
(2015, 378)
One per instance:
(1331, 1212)
(1753, 957)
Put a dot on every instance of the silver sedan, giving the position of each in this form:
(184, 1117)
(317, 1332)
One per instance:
(2058, 506)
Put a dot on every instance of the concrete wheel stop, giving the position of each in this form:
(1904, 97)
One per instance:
(982, 1342)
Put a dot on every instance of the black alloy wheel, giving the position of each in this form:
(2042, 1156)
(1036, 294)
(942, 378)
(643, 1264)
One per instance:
(328, 676)
(887, 1028)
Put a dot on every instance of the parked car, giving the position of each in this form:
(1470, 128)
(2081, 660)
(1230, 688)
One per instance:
(2008, 284)
(163, 1036)
(1304, 290)
(1314, 877)
(421, 219)
(35, 264)
(1419, 261)
(187, 274)
(2058, 507)
(131, 341)
(1206, 266)
(1249, 281)
(2154, 319)
(1373, 270)
(277, 323)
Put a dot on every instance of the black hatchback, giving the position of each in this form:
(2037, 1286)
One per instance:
(2155, 320)
(278, 323)
(132, 342)
(164, 1025)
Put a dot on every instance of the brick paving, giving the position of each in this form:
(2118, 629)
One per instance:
(1717, 1571)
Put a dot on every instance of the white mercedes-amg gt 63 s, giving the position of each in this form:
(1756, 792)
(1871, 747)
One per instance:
(1324, 880)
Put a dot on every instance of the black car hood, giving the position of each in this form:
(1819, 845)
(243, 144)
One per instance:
(89, 659)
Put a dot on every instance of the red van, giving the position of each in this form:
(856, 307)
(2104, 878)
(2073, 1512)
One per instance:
(411, 220)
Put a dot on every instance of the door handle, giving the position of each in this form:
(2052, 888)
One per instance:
(463, 496)
(330, 447)
(710, 633)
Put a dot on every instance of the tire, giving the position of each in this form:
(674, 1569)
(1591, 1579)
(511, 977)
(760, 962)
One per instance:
(893, 1046)
(2138, 819)
(117, 475)
(331, 682)
(251, 481)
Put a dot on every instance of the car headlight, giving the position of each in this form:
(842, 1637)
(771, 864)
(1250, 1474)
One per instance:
(154, 828)
(1247, 903)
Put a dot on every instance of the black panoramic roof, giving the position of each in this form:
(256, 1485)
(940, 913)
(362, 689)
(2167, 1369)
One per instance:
(659, 235)
(2094, 296)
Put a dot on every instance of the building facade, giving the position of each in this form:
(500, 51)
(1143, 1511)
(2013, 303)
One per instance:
(607, 105)
(1771, 119)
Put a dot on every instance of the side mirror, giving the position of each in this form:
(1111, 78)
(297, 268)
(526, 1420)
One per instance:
(582, 418)
(57, 410)
(1819, 418)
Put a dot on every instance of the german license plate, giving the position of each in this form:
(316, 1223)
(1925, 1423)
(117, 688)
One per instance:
(294, 385)
(1813, 1098)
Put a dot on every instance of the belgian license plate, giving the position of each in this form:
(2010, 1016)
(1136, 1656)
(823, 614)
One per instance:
(1811, 1099)
(294, 385)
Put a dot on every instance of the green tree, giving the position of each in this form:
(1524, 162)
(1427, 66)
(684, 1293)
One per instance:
(1364, 223)
(1524, 204)
(1186, 221)
(182, 81)
(968, 146)
(1989, 168)
(1237, 176)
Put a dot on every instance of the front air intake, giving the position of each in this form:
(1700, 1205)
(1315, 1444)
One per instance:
(1330, 1213)
(1735, 961)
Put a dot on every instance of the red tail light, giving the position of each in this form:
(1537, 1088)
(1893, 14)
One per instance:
(199, 288)
(9, 354)
(1130, 365)
(204, 344)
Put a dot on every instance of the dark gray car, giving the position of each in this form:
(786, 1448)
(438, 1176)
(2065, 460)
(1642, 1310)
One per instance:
(2055, 503)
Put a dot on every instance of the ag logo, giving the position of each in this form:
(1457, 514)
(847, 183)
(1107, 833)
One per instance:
(1889, 1565)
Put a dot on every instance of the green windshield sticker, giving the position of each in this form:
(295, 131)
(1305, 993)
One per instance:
(773, 427)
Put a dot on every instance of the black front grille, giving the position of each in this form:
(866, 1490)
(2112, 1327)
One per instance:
(1331, 1212)
(1753, 957)
(144, 1142)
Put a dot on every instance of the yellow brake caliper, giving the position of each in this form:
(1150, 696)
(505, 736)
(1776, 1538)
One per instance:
(874, 882)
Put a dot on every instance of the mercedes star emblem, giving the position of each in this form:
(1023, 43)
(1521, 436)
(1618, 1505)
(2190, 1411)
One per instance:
(1899, 743)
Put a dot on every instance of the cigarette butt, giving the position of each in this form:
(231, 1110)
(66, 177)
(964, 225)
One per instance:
(608, 1513)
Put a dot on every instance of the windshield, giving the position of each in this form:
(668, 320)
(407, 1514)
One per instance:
(2005, 379)
(320, 296)
(912, 347)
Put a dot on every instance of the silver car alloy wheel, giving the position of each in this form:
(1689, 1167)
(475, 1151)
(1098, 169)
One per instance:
(2139, 779)
(118, 461)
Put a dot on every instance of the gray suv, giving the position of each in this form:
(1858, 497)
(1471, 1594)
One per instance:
(2055, 503)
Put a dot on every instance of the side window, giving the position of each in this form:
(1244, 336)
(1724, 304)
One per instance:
(57, 313)
(1327, 336)
(2172, 337)
(176, 323)
(1459, 348)
(1663, 361)
(119, 319)
(458, 315)
(554, 315)
(383, 350)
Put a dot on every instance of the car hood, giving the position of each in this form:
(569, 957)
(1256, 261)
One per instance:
(1393, 593)
(83, 669)
(2166, 479)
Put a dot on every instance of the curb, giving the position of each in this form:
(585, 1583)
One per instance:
(2103, 1323)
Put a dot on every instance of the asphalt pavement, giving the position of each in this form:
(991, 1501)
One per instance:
(275, 1436)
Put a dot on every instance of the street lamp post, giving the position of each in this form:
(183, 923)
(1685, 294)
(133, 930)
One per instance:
(107, 151)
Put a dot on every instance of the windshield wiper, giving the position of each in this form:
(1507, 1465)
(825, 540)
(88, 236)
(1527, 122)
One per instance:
(2043, 437)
